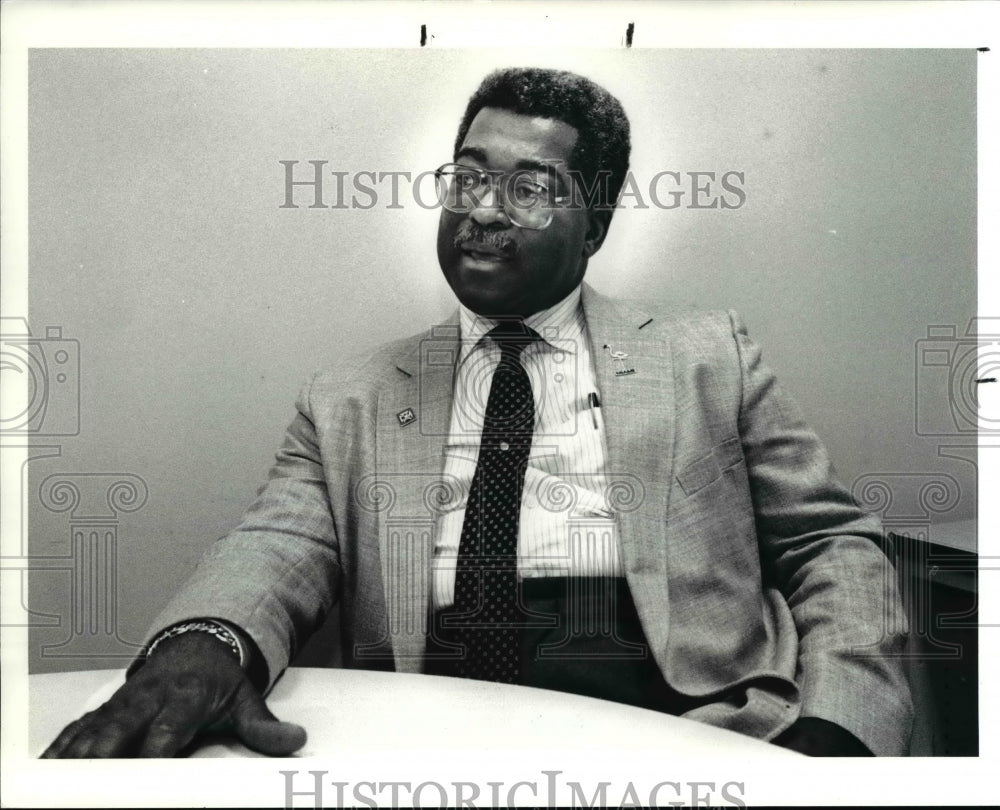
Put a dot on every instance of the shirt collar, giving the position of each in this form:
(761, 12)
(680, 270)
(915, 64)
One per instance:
(562, 322)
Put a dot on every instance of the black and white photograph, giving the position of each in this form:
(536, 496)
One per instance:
(467, 421)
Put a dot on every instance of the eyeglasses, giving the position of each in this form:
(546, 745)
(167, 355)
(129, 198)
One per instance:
(526, 196)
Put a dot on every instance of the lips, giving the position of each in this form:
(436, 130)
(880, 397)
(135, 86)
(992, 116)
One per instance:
(482, 252)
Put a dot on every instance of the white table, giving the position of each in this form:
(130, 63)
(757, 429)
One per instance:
(354, 711)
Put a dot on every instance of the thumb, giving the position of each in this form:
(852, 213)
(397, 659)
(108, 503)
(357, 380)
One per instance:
(258, 729)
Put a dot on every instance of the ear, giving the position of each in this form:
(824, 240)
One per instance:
(597, 228)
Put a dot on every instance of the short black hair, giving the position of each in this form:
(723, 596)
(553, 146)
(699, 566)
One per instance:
(603, 142)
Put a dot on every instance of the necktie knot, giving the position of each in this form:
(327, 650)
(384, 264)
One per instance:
(512, 336)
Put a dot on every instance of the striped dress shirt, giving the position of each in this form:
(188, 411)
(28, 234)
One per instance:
(566, 527)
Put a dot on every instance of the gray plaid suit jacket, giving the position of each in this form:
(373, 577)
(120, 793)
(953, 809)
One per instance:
(759, 582)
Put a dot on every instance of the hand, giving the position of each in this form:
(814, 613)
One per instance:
(816, 737)
(192, 683)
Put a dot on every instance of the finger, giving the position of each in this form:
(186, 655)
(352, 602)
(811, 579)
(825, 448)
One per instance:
(108, 731)
(109, 738)
(167, 736)
(186, 710)
(276, 738)
(64, 740)
(118, 726)
(260, 730)
(116, 740)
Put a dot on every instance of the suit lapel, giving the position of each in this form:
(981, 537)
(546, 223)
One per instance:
(638, 410)
(413, 421)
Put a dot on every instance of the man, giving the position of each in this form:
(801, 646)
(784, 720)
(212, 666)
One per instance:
(575, 457)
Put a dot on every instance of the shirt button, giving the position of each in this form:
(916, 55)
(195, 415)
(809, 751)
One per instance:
(504, 446)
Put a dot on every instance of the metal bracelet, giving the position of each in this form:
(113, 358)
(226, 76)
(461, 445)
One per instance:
(221, 632)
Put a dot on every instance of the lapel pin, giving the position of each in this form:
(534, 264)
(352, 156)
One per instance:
(406, 416)
(620, 366)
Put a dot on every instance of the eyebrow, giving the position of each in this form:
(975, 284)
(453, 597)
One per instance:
(478, 154)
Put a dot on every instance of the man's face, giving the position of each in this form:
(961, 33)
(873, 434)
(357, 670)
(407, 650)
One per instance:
(494, 267)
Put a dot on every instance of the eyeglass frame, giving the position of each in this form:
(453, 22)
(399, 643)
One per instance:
(494, 176)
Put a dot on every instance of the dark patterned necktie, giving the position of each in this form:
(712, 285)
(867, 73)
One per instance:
(485, 614)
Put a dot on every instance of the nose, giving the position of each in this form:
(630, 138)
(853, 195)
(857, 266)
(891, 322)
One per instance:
(490, 211)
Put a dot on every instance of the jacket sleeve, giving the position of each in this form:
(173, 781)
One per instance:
(823, 554)
(276, 575)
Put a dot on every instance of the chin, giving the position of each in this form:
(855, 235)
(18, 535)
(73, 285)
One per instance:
(482, 300)
(488, 306)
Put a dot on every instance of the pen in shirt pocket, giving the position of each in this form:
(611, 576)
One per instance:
(594, 404)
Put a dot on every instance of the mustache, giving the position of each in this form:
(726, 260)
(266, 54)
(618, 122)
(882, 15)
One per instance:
(470, 231)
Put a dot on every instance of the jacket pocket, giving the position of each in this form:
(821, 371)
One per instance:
(703, 471)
